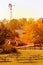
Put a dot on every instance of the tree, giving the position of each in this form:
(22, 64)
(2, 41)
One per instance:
(33, 33)
(22, 22)
(5, 35)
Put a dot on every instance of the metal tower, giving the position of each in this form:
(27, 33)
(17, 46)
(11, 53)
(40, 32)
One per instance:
(10, 7)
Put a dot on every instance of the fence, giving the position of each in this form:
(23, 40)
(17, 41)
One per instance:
(30, 48)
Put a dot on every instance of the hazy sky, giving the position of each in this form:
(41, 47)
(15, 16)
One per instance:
(23, 8)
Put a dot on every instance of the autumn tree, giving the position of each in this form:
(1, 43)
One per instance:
(33, 32)
(22, 23)
(28, 32)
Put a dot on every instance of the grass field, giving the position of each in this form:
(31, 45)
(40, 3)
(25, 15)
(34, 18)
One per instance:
(27, 57)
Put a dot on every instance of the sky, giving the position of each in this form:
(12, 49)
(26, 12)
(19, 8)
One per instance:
(22, 9)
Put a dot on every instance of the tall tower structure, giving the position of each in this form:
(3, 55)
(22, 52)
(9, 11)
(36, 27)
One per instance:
(10, 7)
